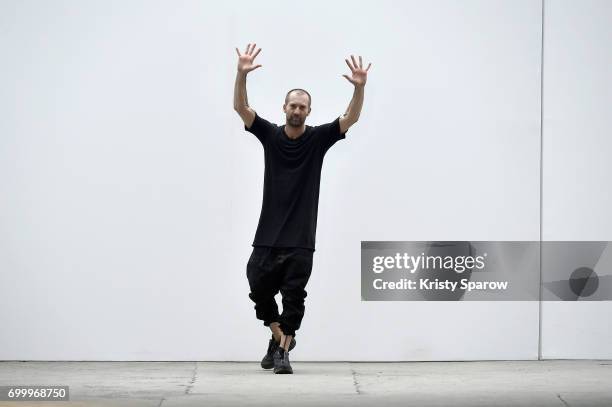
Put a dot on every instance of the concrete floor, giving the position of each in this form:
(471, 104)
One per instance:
(151, 384)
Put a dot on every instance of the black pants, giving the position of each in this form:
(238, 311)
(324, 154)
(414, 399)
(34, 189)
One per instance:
(274, 269)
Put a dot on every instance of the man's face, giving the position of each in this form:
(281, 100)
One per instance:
(296, 109)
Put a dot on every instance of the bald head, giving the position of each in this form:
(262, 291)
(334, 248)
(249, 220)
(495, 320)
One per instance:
(297, 91)
(296, 107)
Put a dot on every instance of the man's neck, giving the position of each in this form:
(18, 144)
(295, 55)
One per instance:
(295, 132)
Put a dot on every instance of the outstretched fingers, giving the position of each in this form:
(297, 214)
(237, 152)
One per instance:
(249, 50)
(349, 65)
(355, 66)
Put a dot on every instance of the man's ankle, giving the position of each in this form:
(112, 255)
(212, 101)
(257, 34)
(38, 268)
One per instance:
(276, 331)
(286, 341)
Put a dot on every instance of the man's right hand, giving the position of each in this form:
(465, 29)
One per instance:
(245, 61)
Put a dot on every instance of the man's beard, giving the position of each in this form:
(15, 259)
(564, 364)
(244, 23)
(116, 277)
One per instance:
(294, 121)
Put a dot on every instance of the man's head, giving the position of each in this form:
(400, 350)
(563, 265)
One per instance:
(296, 107)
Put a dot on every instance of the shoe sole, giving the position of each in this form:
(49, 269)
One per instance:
(283, 371)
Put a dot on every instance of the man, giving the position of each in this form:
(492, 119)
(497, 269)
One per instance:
(285, 238)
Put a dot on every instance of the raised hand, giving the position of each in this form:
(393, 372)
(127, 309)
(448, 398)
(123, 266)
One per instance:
(245, 61)
(359, 76)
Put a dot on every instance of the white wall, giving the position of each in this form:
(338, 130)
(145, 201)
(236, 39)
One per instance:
(131, 193)
(577, 148)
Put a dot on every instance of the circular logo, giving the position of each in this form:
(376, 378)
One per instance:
(584, 281)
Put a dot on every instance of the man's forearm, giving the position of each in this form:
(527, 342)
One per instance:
(354, 108)
(240, 93)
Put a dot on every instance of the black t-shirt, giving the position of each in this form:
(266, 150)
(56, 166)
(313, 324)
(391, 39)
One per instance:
(291, 182)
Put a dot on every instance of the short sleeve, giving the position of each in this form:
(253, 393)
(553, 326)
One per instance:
(329, 133)
(261, 128)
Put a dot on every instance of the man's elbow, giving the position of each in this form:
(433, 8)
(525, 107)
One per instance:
(352, 119)
(240, 109)
(346, 122)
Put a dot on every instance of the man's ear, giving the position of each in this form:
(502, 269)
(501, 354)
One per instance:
(285, 108)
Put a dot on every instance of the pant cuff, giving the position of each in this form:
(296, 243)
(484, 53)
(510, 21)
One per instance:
(286, 330)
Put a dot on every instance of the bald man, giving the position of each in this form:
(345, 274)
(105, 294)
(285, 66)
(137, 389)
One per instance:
(284, 242)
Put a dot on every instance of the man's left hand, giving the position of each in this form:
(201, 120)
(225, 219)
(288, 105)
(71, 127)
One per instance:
(359, 76)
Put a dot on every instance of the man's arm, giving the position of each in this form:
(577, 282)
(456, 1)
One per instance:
(358, 78)
(241, 103)
(353, 111)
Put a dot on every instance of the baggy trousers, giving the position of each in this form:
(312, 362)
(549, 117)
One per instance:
(274, 269)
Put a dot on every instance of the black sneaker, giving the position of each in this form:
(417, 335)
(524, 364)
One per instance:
(268, 361)
(281, 362)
